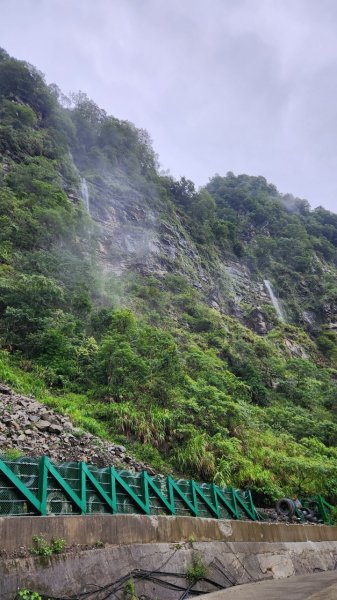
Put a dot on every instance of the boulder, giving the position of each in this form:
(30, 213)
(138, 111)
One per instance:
(54, 428)
(42, 425)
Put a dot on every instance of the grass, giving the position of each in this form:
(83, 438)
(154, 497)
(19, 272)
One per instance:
(22, 382)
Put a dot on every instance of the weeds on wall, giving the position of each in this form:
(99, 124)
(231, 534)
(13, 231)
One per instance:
(197, 571)
(41, 546)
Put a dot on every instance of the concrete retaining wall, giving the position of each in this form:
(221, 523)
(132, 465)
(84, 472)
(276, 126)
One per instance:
(239, 552)
(16, 532)
(227, 562)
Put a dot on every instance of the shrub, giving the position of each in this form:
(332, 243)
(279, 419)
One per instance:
(57, 545)
(197, 571)
(41, 546)
(130, 590)
(26, 594)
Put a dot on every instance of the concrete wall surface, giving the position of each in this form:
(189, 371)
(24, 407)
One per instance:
(16, 532)
(227, 563)
(233, 553)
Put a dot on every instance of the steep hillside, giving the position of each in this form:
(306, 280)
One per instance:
(196, 327)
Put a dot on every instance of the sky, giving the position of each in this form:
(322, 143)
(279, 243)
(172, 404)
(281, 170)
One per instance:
(248, 86)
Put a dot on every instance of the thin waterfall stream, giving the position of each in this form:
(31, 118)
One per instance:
(275, 302)
(85, 194)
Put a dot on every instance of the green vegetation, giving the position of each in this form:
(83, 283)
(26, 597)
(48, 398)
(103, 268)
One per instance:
(41, 546)
(143, 359)
(130, 590)
(12, 454)
(197, 570)
(26, 594)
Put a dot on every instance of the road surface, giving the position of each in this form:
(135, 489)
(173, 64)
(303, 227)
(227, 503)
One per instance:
(314, 586)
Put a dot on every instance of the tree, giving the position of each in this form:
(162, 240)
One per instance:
(183, 191)
(21, 82)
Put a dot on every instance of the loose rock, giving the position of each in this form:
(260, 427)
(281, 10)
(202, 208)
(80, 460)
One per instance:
(27, 426)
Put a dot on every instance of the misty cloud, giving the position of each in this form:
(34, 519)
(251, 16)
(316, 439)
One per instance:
(241, 85)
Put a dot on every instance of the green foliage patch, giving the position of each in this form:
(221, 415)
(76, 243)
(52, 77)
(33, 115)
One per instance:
(41, 546)
(26, 594)
(197, 571)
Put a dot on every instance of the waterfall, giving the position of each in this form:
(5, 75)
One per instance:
(275, 301)
(85, 194)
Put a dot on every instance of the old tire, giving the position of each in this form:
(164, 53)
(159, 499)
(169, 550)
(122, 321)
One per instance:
(95, 504)
(285, 507)
(308, 514)
(10, 503)
(27, 470)
(58, 504)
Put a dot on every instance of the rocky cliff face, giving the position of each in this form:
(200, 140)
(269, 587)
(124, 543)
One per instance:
(136, 233)
(139, 233)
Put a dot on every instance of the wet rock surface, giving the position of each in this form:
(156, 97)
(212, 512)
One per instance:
(33, 429)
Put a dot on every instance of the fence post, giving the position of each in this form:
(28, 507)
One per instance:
(43, 484)
(83, 487)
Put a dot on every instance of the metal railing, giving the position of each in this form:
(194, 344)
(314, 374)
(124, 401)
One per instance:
(36, 486)
(30, 486)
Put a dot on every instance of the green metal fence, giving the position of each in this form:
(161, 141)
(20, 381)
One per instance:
(35, 486)
(30, 486)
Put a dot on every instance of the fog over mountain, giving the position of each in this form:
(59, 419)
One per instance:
(246, 86)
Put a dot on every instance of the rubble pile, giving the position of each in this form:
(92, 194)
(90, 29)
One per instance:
(33, 429)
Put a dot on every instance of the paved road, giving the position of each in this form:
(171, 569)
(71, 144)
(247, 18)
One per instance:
(314, 586)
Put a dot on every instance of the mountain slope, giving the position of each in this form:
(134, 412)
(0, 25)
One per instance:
(199, 325)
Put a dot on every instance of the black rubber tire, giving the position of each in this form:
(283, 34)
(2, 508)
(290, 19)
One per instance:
(58, 503)
(285, 507)
(310, 518)
(30, 480)
(308, 514)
